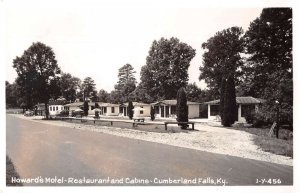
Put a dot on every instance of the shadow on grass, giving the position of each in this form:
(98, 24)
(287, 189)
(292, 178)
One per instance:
(10, 173)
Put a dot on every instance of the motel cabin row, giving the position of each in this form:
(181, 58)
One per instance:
(163, 109)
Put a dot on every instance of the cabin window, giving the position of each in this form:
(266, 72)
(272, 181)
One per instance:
(173, 110)
(141, 112)
(62, 108)
(50, 108)
(112, 109)
(121, 109)
(57, 108)
(156, 108)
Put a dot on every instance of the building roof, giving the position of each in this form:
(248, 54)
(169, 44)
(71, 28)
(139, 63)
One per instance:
(76, 104)
(241, 100)
(135, 104)
(108, 105)
(59, 102)
(173, 102)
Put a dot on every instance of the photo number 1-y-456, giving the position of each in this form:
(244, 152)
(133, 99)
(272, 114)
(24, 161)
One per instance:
(266, 181)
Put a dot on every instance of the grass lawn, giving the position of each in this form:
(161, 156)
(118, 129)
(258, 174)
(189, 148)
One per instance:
(11, 172)
(282, 146)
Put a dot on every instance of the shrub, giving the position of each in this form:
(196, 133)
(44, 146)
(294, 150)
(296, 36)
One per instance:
(152, 113)
(182, 108)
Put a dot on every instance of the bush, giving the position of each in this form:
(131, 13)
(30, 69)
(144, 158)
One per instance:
(257, 119)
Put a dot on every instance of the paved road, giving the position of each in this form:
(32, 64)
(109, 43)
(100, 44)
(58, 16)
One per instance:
(47, 151)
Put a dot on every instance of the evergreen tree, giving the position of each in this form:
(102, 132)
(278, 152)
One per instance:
(88, 88)
(152, 113)
(130, 110)
(231, 100)
(126, 84)
(229, 106)
(182, 108)
(223, 88)
(86, 108)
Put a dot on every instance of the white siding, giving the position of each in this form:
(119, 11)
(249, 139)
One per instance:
(193, 111)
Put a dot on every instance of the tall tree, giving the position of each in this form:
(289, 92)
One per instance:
(222, 56)
(86, 108)
(38, 72)
(223, 90)
(69, 86)
(88, 88)
(228, 105)
(270, 63)
(166, 68)
(182, 108)
(126, 83)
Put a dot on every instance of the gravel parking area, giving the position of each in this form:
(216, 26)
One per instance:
(204, 137)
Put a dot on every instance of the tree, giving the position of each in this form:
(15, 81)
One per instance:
(126, 83)
(11, 91)
(140, 94)
(69, 86)
(194, 93)
(229, 109)
(222, 55)
(86, 108)
(270, 63)
(103, 96)
(88, 88)
(130, 110)
(222, 96)
(182, 108)
(38, 73)
(115, 97)
(152, 113)
(166, 68)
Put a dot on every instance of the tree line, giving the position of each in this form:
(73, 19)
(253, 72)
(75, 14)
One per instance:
(257, 63)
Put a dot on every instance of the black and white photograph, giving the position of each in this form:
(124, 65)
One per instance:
(147, 94)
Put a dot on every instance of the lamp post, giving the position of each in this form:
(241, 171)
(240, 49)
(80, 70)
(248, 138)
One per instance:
(277, 119)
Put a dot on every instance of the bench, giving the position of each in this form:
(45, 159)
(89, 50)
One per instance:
(188, 123)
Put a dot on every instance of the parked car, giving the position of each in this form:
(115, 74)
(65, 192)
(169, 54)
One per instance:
(28, 113)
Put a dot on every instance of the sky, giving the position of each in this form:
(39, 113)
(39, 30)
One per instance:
(96, 39)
